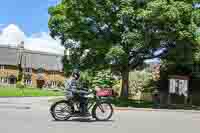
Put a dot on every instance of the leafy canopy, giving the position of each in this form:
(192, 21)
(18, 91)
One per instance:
(108, 29)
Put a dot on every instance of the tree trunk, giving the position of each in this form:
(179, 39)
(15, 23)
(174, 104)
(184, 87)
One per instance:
(125, 83)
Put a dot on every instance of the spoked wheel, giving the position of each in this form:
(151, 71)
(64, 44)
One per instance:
(102, 111)
(61, 110)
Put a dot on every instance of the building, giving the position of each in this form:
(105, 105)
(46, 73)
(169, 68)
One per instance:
(40, 69)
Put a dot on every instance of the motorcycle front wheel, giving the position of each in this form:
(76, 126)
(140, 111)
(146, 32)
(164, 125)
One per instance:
(102, 111)
(61, 110)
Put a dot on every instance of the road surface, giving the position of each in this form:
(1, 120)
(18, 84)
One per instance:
(30, 115)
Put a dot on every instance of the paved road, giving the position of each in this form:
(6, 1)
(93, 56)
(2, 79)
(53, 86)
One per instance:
(30, 115)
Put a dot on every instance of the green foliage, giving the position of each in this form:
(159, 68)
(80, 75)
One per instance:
(117, 86)
(139, 80)
(17, 92)
(120, 102)
(103, 79)
(172, 19)
(86, 79)
(196, 17)
(197, 50)
(20, 85)
(99, 26)
(116, 56)
(60, 84)
(20, 75)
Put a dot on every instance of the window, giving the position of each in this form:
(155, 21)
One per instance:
(28, 81)
(3, 80)
(53, 84)
(53, 73)
(28, 70)
(2, 67)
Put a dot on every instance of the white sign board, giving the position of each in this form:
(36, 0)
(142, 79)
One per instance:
(178, 86)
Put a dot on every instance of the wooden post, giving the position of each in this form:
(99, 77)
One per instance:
(185, 100)
(169, 99)
(190, 99)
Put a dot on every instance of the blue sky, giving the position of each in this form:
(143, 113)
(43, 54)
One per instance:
(27, 20)
(30, 15)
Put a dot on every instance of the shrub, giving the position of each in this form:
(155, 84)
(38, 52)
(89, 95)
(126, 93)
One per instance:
(20, 85)
(139, 82)
(60, 84)
(117, 87)
(86, 79)
(103, 79)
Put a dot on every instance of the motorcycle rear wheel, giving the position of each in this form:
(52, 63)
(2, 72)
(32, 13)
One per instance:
(65, 111)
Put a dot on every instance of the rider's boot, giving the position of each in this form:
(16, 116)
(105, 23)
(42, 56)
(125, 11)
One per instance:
(85, 112)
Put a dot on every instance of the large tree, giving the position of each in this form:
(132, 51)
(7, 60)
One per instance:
(107, 29)
(107, 32)
(175, 20)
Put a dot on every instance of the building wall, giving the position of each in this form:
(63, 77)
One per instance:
(55, 77)
(48, 76)
(34, 78)
(8, 75)
(8, 71)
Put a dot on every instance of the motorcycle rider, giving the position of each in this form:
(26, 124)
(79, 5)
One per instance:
(73, 90)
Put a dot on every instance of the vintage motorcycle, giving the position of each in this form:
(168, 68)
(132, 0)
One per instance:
(100, 108)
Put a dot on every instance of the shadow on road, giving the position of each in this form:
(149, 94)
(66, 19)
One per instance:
(14, 107)
(87, 120)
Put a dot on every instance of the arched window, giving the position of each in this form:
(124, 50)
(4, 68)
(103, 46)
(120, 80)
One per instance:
(12, 79)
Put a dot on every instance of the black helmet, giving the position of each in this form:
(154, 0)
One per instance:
(76, 74)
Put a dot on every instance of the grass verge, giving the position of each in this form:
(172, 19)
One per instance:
(118, 102)
(27, 92)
